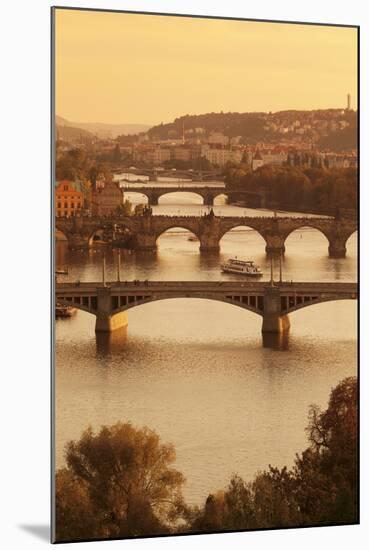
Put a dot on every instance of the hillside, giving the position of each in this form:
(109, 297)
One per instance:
(72, 134)
(337, 126)
(102, 129)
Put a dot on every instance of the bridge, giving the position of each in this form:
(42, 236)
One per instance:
(208, 192)
(154, 173)
(272, 301)
(209, 229)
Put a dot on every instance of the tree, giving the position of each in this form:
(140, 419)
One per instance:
(326, 473)
(117, 157)
(121, 479)
(320, 489)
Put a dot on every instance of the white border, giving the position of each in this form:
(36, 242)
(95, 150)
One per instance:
(25, 200)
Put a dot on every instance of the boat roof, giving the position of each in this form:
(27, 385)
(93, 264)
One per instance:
(241, 261)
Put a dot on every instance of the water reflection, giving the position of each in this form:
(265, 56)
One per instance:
(113, 342)
(197, 371)
(278, 341)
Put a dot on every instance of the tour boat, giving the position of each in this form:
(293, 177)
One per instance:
(64, 311)
(244, 267)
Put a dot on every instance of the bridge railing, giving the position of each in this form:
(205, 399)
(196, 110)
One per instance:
(298, 286)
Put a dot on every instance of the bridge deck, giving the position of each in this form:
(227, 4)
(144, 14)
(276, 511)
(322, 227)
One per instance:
(211, 286)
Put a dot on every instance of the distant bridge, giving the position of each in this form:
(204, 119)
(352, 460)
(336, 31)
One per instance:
(153, 173)
(273, 302)
(209, 229)
(208, 192)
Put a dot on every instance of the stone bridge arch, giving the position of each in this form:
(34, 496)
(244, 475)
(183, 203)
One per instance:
(316, 229)
(300, 304)
(186, 227)
(337, 232)
(193, 191)
(227, 227)
(138, 192)
(255, 307)
(306, 223)
(246, 225)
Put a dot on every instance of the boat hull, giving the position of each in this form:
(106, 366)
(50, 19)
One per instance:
(235, 272)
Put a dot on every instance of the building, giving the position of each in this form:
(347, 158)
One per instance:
(217, 138)
(68, 198)
(107, 200)
(275, 158)
(181, 153)
(220, 156)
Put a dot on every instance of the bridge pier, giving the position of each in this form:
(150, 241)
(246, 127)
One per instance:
(274, 245)
(145, 241)
(275, 324)
(275, 251)
(209, 243)
(208, 200)
(153, 200)
(337, 248)
(105, 320)
(273, 320)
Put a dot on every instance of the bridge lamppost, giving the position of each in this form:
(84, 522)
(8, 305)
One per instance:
(118, 273)
(103, 271)
(271, 270)
(280, 266)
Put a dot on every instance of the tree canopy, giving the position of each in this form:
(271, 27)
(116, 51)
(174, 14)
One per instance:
(120, 482)
(123, 479)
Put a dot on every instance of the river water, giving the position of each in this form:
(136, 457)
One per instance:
(196, 371)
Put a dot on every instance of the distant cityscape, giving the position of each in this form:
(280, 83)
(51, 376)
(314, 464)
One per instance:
(209, 143)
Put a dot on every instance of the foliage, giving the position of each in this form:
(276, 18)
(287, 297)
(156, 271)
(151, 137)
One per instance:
(79, 164)
(125, 209)
(121, 478)
(320, 489)
(290, 187)
(120, 483)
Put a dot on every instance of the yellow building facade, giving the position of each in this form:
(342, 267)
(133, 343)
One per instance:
(68, 198)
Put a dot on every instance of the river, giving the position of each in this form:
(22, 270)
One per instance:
(196, 370)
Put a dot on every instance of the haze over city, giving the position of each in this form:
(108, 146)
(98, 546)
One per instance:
(116, 67)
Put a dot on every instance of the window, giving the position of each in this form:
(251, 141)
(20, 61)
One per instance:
(59, 204)
(65, 205)
(65, 212)
(65, 187)
(72, 205)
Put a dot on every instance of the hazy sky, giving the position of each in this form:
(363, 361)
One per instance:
(126, 68)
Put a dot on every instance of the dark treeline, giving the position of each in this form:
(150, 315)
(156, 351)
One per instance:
(80, 164)
(305, 189)
(121, 482)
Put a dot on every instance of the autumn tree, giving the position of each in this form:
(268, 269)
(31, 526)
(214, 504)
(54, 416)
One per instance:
(326, 473)
(121, 480)
(321, 488)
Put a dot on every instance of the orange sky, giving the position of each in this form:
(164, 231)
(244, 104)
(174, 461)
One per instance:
(127, 68)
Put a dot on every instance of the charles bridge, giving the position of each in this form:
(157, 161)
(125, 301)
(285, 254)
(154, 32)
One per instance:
(209, 229)
(109, 301)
